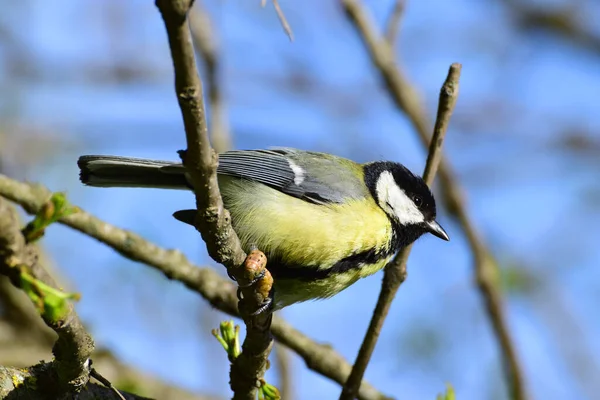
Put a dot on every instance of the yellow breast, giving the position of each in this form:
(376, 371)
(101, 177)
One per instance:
(306, 235)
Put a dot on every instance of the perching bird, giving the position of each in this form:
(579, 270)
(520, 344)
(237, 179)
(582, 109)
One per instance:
(323, 221)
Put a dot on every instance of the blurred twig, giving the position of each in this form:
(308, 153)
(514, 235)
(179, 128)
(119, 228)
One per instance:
(206, 46)
(213, 220)
(284, 368)
(284, 23)
(567, 333)
(395, 272)
(74, 345)
(393, 22)
(219, 292)
(96, 375)
(407, 100)
(566, 23)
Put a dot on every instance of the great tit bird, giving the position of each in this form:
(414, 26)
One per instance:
(323, 221)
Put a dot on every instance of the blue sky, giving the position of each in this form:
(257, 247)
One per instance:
(534, 201)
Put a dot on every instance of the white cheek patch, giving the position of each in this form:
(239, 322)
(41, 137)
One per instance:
(395, 202)
(298, 172)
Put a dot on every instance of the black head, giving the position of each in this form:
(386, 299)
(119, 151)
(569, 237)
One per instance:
(404, 197)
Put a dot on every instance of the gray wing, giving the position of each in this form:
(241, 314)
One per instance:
(314, 177)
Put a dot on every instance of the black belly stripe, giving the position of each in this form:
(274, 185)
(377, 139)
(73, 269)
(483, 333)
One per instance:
(281, 270)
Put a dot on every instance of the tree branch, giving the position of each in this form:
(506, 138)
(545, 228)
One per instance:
(407, 100)
(200, 160)
(282, 19)
(20, 354)
(219, 292)
(74, 345)
(566, 23)
(25, 339)
(19, 383)
(395, 272)
(285, 371)
(213, 220)
(393, 22)
(206, 46)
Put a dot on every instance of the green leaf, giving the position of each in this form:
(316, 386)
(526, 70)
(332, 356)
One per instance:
(268, 392)
(449, 395)
(517, 280)
(229, 337)
(51, 303)
(54, 209)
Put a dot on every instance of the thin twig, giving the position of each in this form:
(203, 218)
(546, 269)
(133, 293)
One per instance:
(284, 368)
(382, 56)
(213, 220)
(206, 46)
(96, 375)
(395, 272)
(393, 22)
(74, 345)
(407, 100)
(446, 103)
(566, 23)
(284, 23)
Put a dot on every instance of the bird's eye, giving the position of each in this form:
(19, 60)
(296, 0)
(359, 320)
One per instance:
(418, 201)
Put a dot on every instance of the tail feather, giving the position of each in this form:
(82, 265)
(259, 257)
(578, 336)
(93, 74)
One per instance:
(113, 171)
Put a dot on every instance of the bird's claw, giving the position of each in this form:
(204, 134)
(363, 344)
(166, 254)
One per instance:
(266, 305)
(257, 278)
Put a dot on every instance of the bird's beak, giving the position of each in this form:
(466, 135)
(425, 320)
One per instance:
(435, 229)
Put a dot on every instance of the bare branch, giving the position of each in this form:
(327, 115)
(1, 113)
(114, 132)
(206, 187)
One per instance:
(200, 160)
(206, 46)
(96, 375)
(219, 292)
(566, 23)
(382, 56)
(284, 23)
(446, 103)
(407, 100)
(286, 26)
(284, 367)
(213, 220)
(395, 272)
(74, 345)
(393, 22)
(14, 384)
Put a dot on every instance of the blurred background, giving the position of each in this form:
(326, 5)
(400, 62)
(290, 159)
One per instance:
(91, 77)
